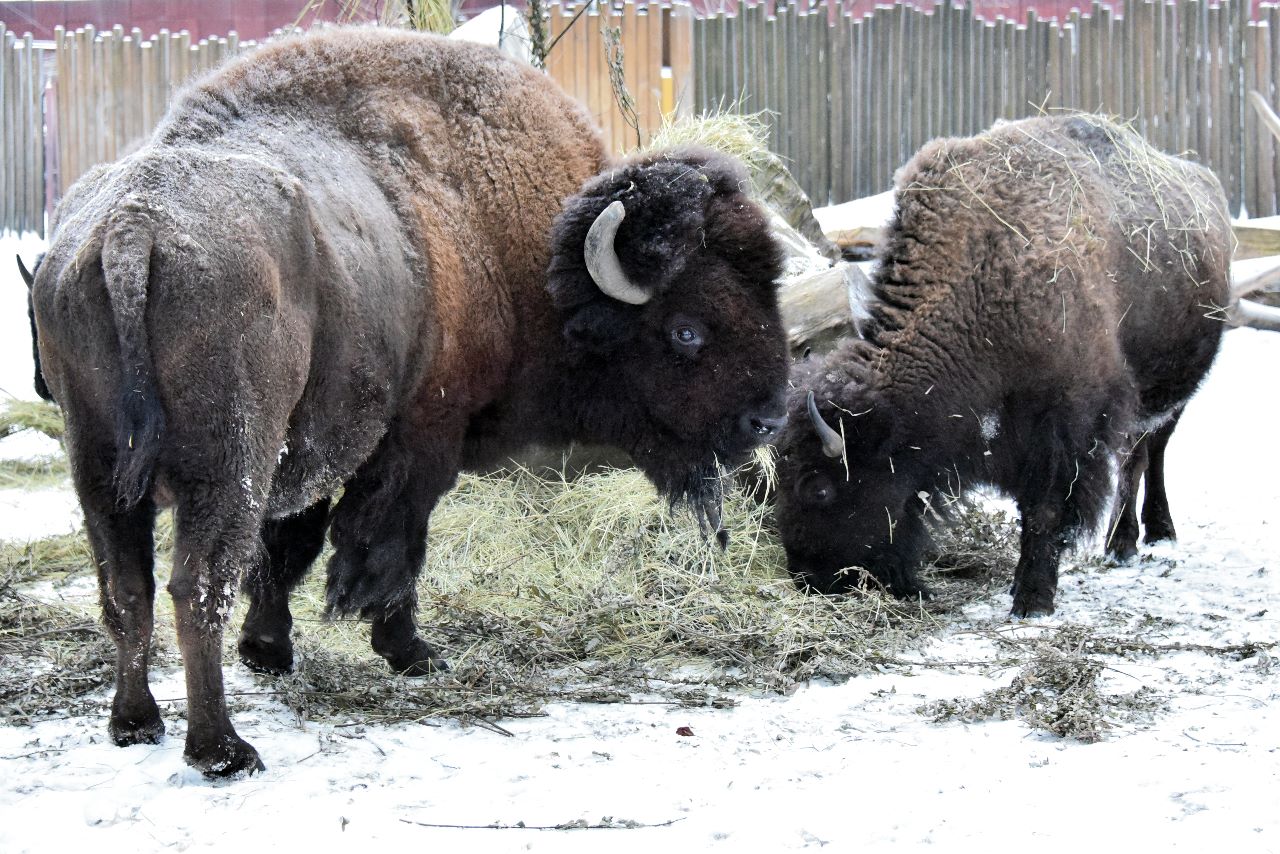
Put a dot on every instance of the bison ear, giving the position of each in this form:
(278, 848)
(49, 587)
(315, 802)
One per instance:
(598, 328)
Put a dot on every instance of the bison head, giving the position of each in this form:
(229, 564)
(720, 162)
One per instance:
(29, 276)
(664, 273)
(848, 492)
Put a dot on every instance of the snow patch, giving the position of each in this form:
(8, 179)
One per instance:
(989, 424)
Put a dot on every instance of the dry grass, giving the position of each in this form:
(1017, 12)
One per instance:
(1057, 690)
(1159, 203)
(537, 590)
(541, 590)
(743, 135)
(18, 415)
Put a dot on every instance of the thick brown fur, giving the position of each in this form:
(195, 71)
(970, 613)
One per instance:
(1043, 304)
(352, 263)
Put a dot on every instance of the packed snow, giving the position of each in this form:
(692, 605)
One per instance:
(853, 766)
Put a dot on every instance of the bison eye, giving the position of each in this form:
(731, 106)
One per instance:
(816, 489)
(686, 336)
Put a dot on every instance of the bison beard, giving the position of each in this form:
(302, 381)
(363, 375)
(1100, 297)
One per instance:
(356, 263)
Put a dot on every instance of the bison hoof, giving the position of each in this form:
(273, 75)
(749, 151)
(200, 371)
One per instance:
(915, 590)
(1026, 610)
(420, 660)
(1122, 552)
(266, 654)
(1159, 533)
(127, 730)
(228, 756)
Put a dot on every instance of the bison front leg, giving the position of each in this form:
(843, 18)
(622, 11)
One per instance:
(216, 536)
(123, 550)
(379, 534)
(1063, 494)
(1035, 581)
(290, 546)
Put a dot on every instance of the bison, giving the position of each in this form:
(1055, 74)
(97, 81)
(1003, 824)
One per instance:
(1043, 306)
(355, 263)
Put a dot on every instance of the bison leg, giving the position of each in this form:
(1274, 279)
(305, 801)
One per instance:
(1156, 518)
(215, 538)
(1035, 581)
(122, 544)
(1063, 493)
(379, 535)
(1122, 543)
(291, 545)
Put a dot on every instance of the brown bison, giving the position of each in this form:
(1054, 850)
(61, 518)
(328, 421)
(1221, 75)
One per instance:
(358, 262)
(1043, 303)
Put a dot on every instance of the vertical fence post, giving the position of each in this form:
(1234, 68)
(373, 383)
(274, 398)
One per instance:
(850, 95)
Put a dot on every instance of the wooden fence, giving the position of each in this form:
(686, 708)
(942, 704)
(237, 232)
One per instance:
(855, 96)
(85, 99)
(22, 164)
(657, 49)
(851, 96)
(111, 89)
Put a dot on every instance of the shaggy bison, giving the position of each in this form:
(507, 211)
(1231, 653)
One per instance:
(359, 262)
(1042, 304)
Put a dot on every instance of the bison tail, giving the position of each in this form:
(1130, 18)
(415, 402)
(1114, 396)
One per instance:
(126, 263)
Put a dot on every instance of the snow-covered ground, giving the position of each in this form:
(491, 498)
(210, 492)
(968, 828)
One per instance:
(852, 766)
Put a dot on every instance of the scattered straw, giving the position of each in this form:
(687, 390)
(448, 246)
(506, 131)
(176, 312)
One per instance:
(34, 473)
(52, 656)
(18, 415)
(1150, 196)
(1056, 690)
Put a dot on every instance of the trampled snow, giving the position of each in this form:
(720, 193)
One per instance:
(850, 766)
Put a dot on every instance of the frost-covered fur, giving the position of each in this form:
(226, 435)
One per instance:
(333, 268)
(1042, 300)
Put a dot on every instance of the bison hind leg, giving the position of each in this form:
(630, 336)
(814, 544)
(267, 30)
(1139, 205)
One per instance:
(1156, 518)
(123, 545)
(1122, 532)
(290, 546)
(218, 520)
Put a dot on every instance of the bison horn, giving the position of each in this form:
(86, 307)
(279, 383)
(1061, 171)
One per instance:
(832, 442)
(602, 261)
(26, 274)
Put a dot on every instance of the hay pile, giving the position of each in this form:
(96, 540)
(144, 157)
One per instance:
(36, 473)
(536, 590)
(19, 415)
(746, 137)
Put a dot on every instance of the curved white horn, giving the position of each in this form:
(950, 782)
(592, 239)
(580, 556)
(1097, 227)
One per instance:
(602, 261)
(832, 442)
